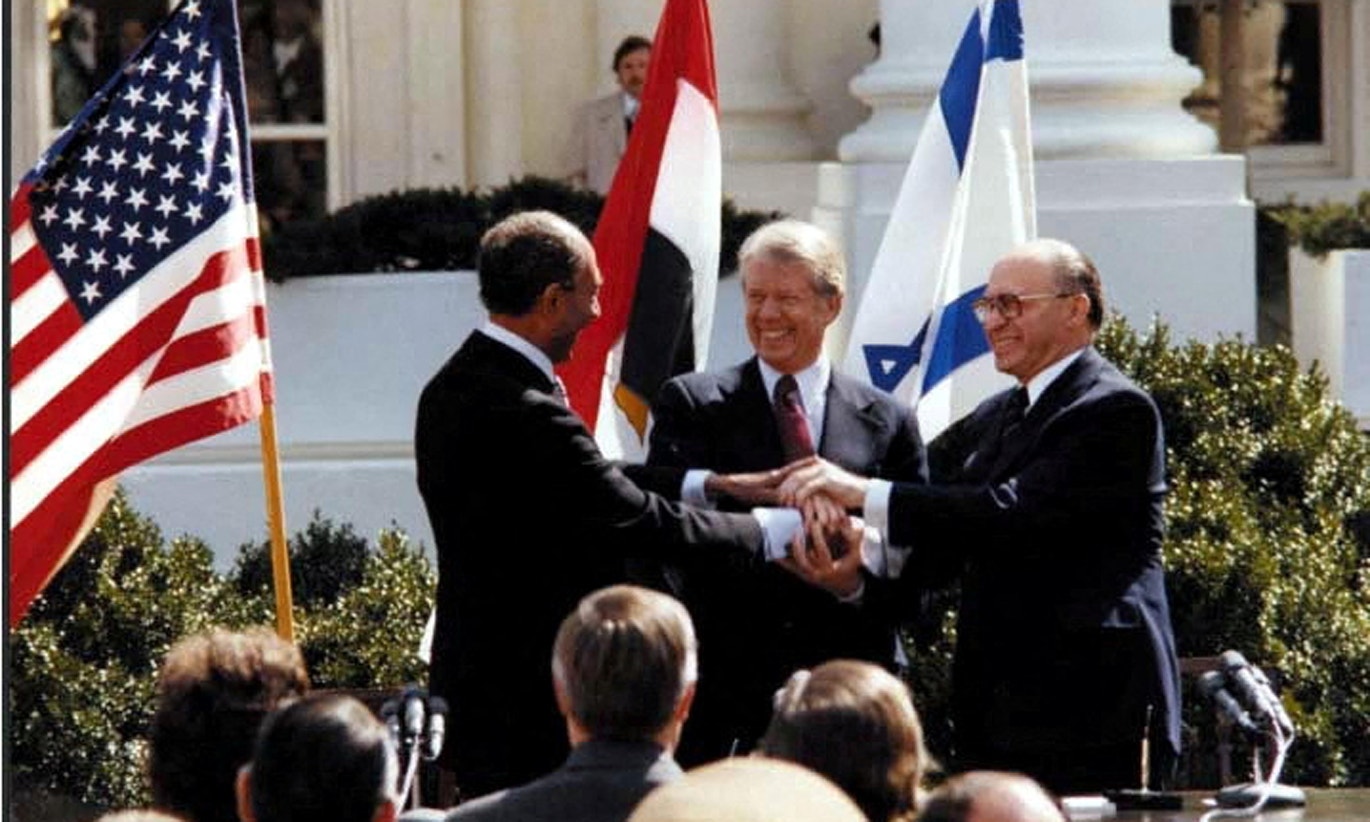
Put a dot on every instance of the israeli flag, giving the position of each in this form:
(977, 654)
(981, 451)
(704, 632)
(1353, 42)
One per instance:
(967, 199)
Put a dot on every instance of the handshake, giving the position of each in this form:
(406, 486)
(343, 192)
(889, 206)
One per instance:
(828, 547)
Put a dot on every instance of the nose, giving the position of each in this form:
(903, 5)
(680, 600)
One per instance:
(594, 307)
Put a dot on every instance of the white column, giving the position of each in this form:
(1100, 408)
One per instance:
(761, 111)
(29, 109)
(1105, 82)
(495, 150)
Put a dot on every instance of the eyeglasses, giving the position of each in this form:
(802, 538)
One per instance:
(1008, 306)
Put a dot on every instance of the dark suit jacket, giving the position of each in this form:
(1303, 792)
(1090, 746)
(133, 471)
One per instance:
(1064, 632)
(602, 781)
(528, 517)
(758, 624)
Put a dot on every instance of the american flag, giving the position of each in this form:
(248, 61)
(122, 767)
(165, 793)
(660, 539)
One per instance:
(136, 297)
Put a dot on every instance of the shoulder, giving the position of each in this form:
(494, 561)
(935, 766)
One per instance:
(486, 808)
(705, 386)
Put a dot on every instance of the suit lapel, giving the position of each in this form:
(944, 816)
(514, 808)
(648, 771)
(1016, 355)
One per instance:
(848, 428)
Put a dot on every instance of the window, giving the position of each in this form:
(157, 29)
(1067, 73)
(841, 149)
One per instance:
(1296, 119)
(284, 73)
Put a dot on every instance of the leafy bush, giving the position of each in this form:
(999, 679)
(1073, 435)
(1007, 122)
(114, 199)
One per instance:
(1266, 550)
(84, 660)
(1327, 226)
(440, 229)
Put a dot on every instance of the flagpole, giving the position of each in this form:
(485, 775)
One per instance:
(275, 517)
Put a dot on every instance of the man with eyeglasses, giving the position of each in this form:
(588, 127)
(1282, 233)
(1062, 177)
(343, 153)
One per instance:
(1045, 505)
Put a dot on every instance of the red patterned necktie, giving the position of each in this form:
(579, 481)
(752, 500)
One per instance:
(795, 437)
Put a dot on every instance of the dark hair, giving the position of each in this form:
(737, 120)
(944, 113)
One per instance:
(854, 723)
(624, 658)
(954, 800)
(630, 44)
(323, 757)
(523, 254)
(213, 692)
(1075, 274)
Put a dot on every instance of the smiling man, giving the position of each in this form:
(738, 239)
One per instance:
(758, 624)
(1045, 505)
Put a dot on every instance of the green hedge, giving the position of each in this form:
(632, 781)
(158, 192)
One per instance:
(84, 660)
(440, 229)
(1328, 226)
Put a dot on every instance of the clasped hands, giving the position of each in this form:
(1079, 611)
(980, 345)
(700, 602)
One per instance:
(827, 551)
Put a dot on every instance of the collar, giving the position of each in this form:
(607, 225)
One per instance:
(285, 53)
(530, 352)
(1040, 383)
(631, 105)
(813, 381)
(599, 753)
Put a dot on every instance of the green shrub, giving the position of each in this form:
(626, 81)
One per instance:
(84, 660)
(440, 229)
(1266, 550)
(1327, 226)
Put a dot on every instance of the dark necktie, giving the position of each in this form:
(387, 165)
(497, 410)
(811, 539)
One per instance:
(795, 438)
(1014, 411)
(628, 124)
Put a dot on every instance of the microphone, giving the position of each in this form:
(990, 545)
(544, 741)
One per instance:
(437, 728)
(1253, 686)
(1211, 684)
(390, 713)
(413, 716)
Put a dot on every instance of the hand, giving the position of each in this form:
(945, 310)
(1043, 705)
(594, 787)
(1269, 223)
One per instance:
(831, 559)
(757, 488)
(804, 480)
(822, 512)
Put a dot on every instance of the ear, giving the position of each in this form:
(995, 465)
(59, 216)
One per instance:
(243, 789)
(550, 298)
(687, 699)
(834, 302)
(563, 699)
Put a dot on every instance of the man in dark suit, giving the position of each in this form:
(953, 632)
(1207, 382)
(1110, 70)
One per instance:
(624, 671)
(758, 623)
(1046, 506)
(527, 514)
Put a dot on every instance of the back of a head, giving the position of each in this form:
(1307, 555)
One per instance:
(624, 659)
(752, 789)
(324, 758)
(523, 254)
(213, 691)
(854, 723)
(990, 796)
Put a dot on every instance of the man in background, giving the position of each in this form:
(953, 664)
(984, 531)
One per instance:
(623, 668)
(599, 133)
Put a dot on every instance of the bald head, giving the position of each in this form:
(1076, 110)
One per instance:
(990, 796)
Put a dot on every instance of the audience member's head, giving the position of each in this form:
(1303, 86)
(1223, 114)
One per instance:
(990, 796)
(793, 282)
(624, 666)
(539, 278)
(139, 815)
(631, 60)
(324, 757)
(749, 789)
(854, 723)
(213, 692)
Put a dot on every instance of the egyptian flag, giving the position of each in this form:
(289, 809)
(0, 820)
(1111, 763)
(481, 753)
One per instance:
(657, 242)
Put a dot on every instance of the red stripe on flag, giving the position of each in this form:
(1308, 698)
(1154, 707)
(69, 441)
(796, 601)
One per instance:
(19, 206)
(27, 270)
(204, 346)
(39, 344)
(682, 49)
(116, 363)
(37, 542)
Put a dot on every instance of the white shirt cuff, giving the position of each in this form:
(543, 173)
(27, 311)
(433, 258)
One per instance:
(692, 488)
(876, 509)
(856, 596)
(874, 558)
(780, 525)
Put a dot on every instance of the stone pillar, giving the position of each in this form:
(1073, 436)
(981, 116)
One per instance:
(1105, 82)
(30, 109)
(495, 150)
(1122, 170)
